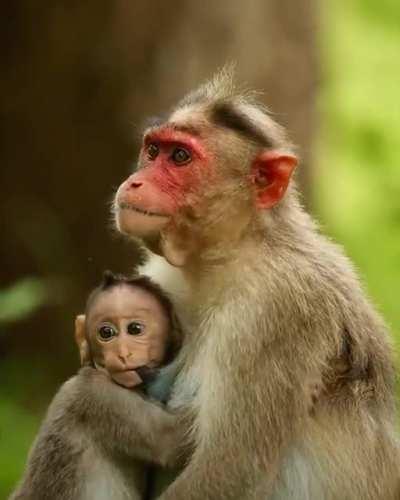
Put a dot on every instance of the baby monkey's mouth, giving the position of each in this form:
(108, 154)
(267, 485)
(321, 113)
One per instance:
(127, 206)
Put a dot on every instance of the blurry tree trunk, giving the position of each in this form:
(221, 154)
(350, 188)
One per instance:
(77, 79)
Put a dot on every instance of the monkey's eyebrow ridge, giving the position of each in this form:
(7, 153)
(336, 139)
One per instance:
(186, 128)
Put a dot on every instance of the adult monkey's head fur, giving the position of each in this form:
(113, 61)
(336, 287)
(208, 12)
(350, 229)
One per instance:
(206, 175)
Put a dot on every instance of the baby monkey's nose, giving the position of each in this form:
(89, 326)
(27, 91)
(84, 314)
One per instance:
(124, 356)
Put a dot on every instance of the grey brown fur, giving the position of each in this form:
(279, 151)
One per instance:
(287, 367)
(95, 441)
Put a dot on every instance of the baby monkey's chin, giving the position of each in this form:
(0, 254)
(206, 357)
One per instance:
(128, 378)
(139, 223)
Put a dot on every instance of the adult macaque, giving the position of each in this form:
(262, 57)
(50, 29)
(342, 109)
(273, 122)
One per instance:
(287, 368)
(95, 432)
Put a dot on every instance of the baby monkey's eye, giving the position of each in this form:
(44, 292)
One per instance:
(181, 156)
(135, 328)
(106, 332)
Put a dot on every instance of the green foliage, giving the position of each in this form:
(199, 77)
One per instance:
(358, 191)
(17, 430)
(21, 299)
(17, 426)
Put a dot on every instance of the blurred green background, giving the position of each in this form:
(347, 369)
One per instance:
(78, 79)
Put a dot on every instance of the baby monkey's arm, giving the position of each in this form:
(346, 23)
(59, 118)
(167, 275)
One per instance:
(124, 421)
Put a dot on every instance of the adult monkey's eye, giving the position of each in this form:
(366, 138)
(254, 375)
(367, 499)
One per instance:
(135, 328)
(152, 151)
(181, 156)
(106, 332)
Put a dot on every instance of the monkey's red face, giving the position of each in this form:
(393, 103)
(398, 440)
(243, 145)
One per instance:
(172, 164)
(201, 183)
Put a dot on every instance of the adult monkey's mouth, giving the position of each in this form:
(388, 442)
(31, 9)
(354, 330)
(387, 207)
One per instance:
(139, 222)
(127, 206)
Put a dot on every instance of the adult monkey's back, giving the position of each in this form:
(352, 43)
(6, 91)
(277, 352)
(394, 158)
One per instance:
(287, 368)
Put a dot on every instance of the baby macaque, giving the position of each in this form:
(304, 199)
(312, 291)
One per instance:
(128, 330)
(97, 435)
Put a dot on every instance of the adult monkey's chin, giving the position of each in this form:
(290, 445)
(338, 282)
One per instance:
(138, 223)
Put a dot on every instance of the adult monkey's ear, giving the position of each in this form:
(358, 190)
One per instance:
(80, 338)
(271, 173)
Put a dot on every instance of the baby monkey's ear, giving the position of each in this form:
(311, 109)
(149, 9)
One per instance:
(80, 338)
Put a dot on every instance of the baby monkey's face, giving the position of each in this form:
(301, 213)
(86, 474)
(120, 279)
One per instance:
(127, 328)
